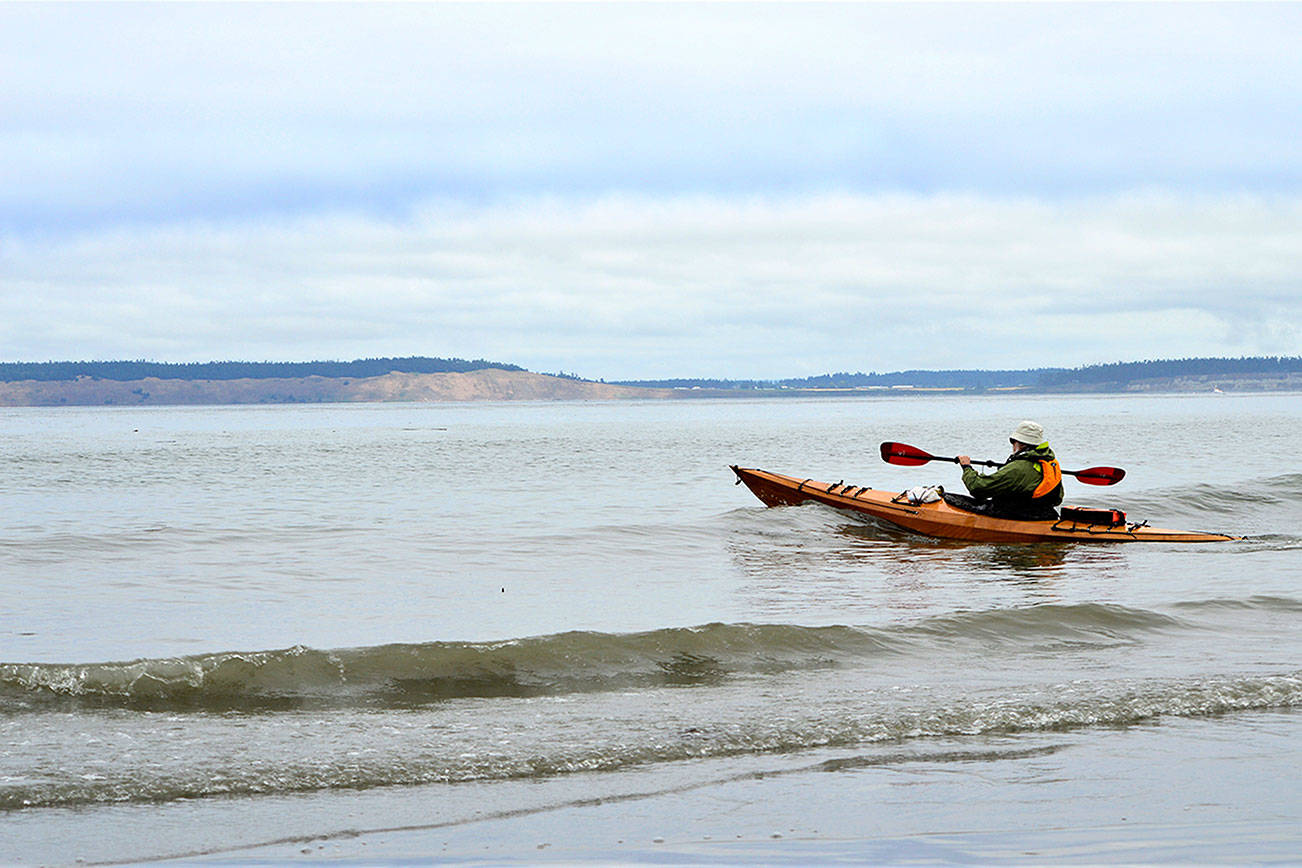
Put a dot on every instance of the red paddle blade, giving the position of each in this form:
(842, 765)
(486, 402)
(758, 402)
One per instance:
(902, 453)
(1100, 475)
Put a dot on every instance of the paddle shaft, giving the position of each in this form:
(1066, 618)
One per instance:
(972, 461)
(902, 453)
(1089, 472)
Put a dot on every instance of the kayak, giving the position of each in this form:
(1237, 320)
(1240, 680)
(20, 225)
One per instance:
(941, 520)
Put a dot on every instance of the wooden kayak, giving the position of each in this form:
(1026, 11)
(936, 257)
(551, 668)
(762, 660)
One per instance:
(946, 522)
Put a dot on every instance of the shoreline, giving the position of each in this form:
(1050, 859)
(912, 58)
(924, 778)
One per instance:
(1086, 796)
(492, 384)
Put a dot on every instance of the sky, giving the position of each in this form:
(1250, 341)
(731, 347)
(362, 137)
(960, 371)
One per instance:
(642, 190)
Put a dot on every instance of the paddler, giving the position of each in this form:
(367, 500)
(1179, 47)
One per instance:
(1027, 486)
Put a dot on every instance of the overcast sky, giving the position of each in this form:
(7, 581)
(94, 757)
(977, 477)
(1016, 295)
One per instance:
(641, 190)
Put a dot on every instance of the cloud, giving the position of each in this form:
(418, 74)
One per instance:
(162, 112)
(623, 286)
(640, 190)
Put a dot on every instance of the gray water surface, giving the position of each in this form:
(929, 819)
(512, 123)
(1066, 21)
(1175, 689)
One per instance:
(260, 603)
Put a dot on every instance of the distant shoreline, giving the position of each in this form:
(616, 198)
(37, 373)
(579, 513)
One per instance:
(495, 384)
(488, 384)
(432, 379)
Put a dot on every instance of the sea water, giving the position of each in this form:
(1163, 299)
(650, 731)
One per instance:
(232, 628)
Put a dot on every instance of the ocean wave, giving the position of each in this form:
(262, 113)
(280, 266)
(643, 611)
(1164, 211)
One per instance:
(1266, 493)
(1257, 602)
(415, 674)
(1053, 709)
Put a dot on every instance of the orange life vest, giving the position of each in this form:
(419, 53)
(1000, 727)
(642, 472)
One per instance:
(1050, 478)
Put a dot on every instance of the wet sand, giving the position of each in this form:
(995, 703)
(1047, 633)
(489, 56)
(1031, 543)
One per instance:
(1173, 792)
(1177, 790)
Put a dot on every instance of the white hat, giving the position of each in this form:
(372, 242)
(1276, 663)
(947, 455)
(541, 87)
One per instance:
(1028, 432)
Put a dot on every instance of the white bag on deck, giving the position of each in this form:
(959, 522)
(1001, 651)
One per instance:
(924, 494)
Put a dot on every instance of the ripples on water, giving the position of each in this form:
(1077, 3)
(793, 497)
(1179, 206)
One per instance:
(277, 600)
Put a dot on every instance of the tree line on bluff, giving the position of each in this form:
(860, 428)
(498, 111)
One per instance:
(1042, 378)
(139, 370)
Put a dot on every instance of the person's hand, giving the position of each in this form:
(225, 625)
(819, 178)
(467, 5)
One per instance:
(964, 461)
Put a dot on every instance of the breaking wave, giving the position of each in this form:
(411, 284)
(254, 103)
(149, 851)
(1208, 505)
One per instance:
(396, 676)
(1058, 708)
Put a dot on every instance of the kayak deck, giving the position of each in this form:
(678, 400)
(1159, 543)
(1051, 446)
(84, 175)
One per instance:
(946, 522)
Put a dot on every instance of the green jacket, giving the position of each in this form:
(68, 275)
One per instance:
(1014, 482)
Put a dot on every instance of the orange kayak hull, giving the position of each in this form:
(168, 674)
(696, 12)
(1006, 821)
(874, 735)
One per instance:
(942, 521)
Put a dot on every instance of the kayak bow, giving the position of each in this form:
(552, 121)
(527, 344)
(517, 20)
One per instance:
(946, 522)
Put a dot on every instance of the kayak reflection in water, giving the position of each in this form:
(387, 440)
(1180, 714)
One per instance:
(1027, 486)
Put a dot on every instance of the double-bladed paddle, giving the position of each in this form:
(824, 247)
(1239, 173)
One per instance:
(912, 456)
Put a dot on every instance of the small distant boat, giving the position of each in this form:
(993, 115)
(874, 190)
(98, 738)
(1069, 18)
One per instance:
(943, 521)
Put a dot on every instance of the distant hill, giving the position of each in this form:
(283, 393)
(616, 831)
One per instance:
(1176, 374)
(123, 371)
(485, 384)
(434, 379)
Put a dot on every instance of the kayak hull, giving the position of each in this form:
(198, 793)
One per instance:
(942, 521)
